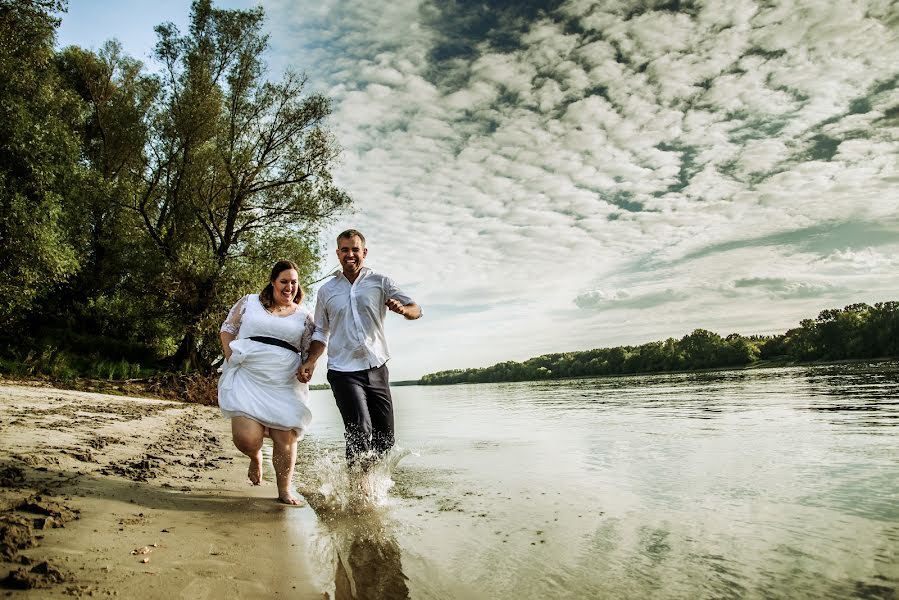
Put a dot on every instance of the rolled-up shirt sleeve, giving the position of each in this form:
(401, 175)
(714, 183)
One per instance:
(322, 326)
(392, 290)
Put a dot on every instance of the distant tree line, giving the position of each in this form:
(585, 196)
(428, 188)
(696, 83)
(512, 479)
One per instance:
(857, 331)
(136, 206)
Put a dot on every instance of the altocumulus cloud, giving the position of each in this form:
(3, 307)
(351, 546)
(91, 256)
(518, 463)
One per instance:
(622, 299)
(782, 288)
(718, 164)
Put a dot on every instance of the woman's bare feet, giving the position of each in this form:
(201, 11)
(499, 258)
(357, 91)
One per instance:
(286, 497)
(255, 470)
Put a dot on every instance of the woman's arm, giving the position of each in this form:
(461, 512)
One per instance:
(231, 326)
(227, 338)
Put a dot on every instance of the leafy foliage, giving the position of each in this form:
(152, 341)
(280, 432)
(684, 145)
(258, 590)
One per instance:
(151, 201)
(38, 159)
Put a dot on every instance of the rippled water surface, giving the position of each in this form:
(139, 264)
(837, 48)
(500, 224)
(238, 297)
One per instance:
(769, 483)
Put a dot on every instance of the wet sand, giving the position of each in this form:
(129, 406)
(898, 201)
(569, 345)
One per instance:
(110, 496)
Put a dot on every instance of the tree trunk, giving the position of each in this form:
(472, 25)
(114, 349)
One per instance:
(186, 355)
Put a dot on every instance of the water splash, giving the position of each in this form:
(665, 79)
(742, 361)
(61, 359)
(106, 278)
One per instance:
(329, 486)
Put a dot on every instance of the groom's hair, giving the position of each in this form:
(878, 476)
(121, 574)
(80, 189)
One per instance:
(350, 233)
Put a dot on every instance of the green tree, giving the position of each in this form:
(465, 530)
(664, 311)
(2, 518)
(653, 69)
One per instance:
(802, 342)
(108, 294)
(38, 159)
(224, 171)
(702, 348)
(738, 350)
(882, 329)
(774, 346)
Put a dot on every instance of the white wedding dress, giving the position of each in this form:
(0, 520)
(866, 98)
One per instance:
(259, 381)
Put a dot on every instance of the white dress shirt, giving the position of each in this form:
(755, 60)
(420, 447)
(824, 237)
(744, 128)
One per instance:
(349, 319)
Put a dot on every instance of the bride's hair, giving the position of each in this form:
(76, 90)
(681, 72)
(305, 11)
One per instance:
(266, 296)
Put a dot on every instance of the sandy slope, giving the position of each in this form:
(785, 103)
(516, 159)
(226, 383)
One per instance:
(88, 479)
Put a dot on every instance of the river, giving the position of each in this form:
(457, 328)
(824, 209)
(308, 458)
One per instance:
(766, 483)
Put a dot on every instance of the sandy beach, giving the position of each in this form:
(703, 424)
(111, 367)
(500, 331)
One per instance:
(130, 497)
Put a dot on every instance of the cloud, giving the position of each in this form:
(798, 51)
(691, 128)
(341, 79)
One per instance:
(598, 299)
(735, 155)
(865, 260)
(781, 288)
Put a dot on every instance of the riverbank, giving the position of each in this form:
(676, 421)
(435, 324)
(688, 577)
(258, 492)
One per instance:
(772, 363)
(116, 496)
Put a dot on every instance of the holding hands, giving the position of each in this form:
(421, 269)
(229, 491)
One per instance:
(304, 373)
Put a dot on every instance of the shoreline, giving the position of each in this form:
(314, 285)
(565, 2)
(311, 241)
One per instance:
(135, 389)
(759, 364)
(118, 496)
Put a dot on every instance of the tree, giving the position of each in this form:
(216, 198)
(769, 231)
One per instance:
(225, 171)
(802, 342)
(882, 331)
(107, 294)
(702, 348)
(38, 159)
(739, 351)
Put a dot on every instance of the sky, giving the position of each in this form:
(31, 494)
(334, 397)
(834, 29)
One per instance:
(558, 176)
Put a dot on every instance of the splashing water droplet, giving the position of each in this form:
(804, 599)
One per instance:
(330, 486)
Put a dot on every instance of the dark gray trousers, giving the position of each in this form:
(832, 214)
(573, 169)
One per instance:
(364, 401)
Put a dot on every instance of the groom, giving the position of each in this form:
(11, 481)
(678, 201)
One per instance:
(349, 320)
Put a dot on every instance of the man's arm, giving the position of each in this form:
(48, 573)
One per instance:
(399, 302)
(411, 311)
(319, 339)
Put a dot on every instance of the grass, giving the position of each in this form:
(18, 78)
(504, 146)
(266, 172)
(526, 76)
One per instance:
(60, 365)
(93, 372)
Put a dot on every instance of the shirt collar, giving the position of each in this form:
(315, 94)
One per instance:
(362, 273)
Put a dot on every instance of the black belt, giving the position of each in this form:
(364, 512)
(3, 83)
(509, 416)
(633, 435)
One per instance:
(273, 342)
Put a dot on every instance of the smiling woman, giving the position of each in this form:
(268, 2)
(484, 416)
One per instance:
(264, 340)
(283, 291)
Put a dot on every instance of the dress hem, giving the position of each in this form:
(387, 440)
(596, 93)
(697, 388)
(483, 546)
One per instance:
(236, 413)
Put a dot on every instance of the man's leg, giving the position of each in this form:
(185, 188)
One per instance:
(349, 393)
(380, 409)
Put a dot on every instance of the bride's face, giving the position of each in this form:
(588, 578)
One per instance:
(285, 286)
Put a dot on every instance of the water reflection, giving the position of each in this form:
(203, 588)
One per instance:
(862, 395)
(352, 510)
(368, 564)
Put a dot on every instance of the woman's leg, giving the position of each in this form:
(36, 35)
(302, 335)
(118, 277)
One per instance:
(284, 457)
(247, 435)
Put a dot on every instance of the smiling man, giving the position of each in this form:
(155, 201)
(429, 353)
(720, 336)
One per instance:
(349, 321)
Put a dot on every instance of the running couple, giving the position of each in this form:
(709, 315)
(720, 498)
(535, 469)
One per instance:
(271, 345)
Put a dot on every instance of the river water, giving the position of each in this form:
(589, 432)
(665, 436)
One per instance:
(767, 483)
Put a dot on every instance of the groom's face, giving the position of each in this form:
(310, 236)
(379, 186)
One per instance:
(351, 252)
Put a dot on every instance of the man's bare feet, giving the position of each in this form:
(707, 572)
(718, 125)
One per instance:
(286, 497)
(255, 470)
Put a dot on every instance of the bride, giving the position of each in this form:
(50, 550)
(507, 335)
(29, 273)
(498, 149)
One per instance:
(265, 339)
